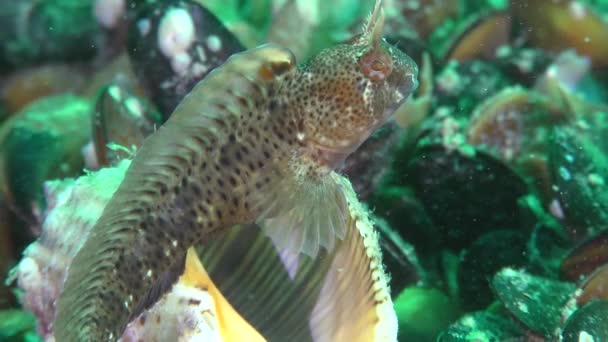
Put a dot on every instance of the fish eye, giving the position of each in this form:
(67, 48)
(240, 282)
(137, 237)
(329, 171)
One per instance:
(376, 65)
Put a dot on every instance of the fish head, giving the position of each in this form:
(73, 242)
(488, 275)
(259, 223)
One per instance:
(352, 89)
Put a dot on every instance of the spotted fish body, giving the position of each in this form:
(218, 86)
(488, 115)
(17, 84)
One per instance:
(255, 142)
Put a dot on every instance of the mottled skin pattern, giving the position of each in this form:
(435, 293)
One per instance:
(254, 121)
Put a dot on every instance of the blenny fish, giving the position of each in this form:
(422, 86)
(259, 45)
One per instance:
(256, 141)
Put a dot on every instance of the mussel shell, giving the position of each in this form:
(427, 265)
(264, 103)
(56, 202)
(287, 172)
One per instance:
(523, 65)
(210, 47)
(561, 25)
(499, 123)
(406, 215)
(465, 196)
(578, 164)
(487, 255)
(479, 37)
(426, 16)
(546, 249)
(589, 323)
(399, 258)
(37, 31)
(27, 85)
(482, 326)
(586, 257)
(462, 86)
(42, 142)
(121, 117)
(537, 302)
(595, 286)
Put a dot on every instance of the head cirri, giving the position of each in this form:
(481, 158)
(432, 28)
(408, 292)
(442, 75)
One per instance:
(350, 90)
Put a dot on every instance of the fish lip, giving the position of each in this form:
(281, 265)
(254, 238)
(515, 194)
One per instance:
(408, 87)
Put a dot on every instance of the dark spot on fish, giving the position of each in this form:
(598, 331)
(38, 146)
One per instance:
(198, 140)
(243, 101)
(196, 189)
(272, 106)
(194, 302)
(163, 189)
(232, 180)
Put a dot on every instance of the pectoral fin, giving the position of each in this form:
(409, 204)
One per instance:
(314, 212)
(342, 296)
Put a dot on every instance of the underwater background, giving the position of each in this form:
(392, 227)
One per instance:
(487, 188)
